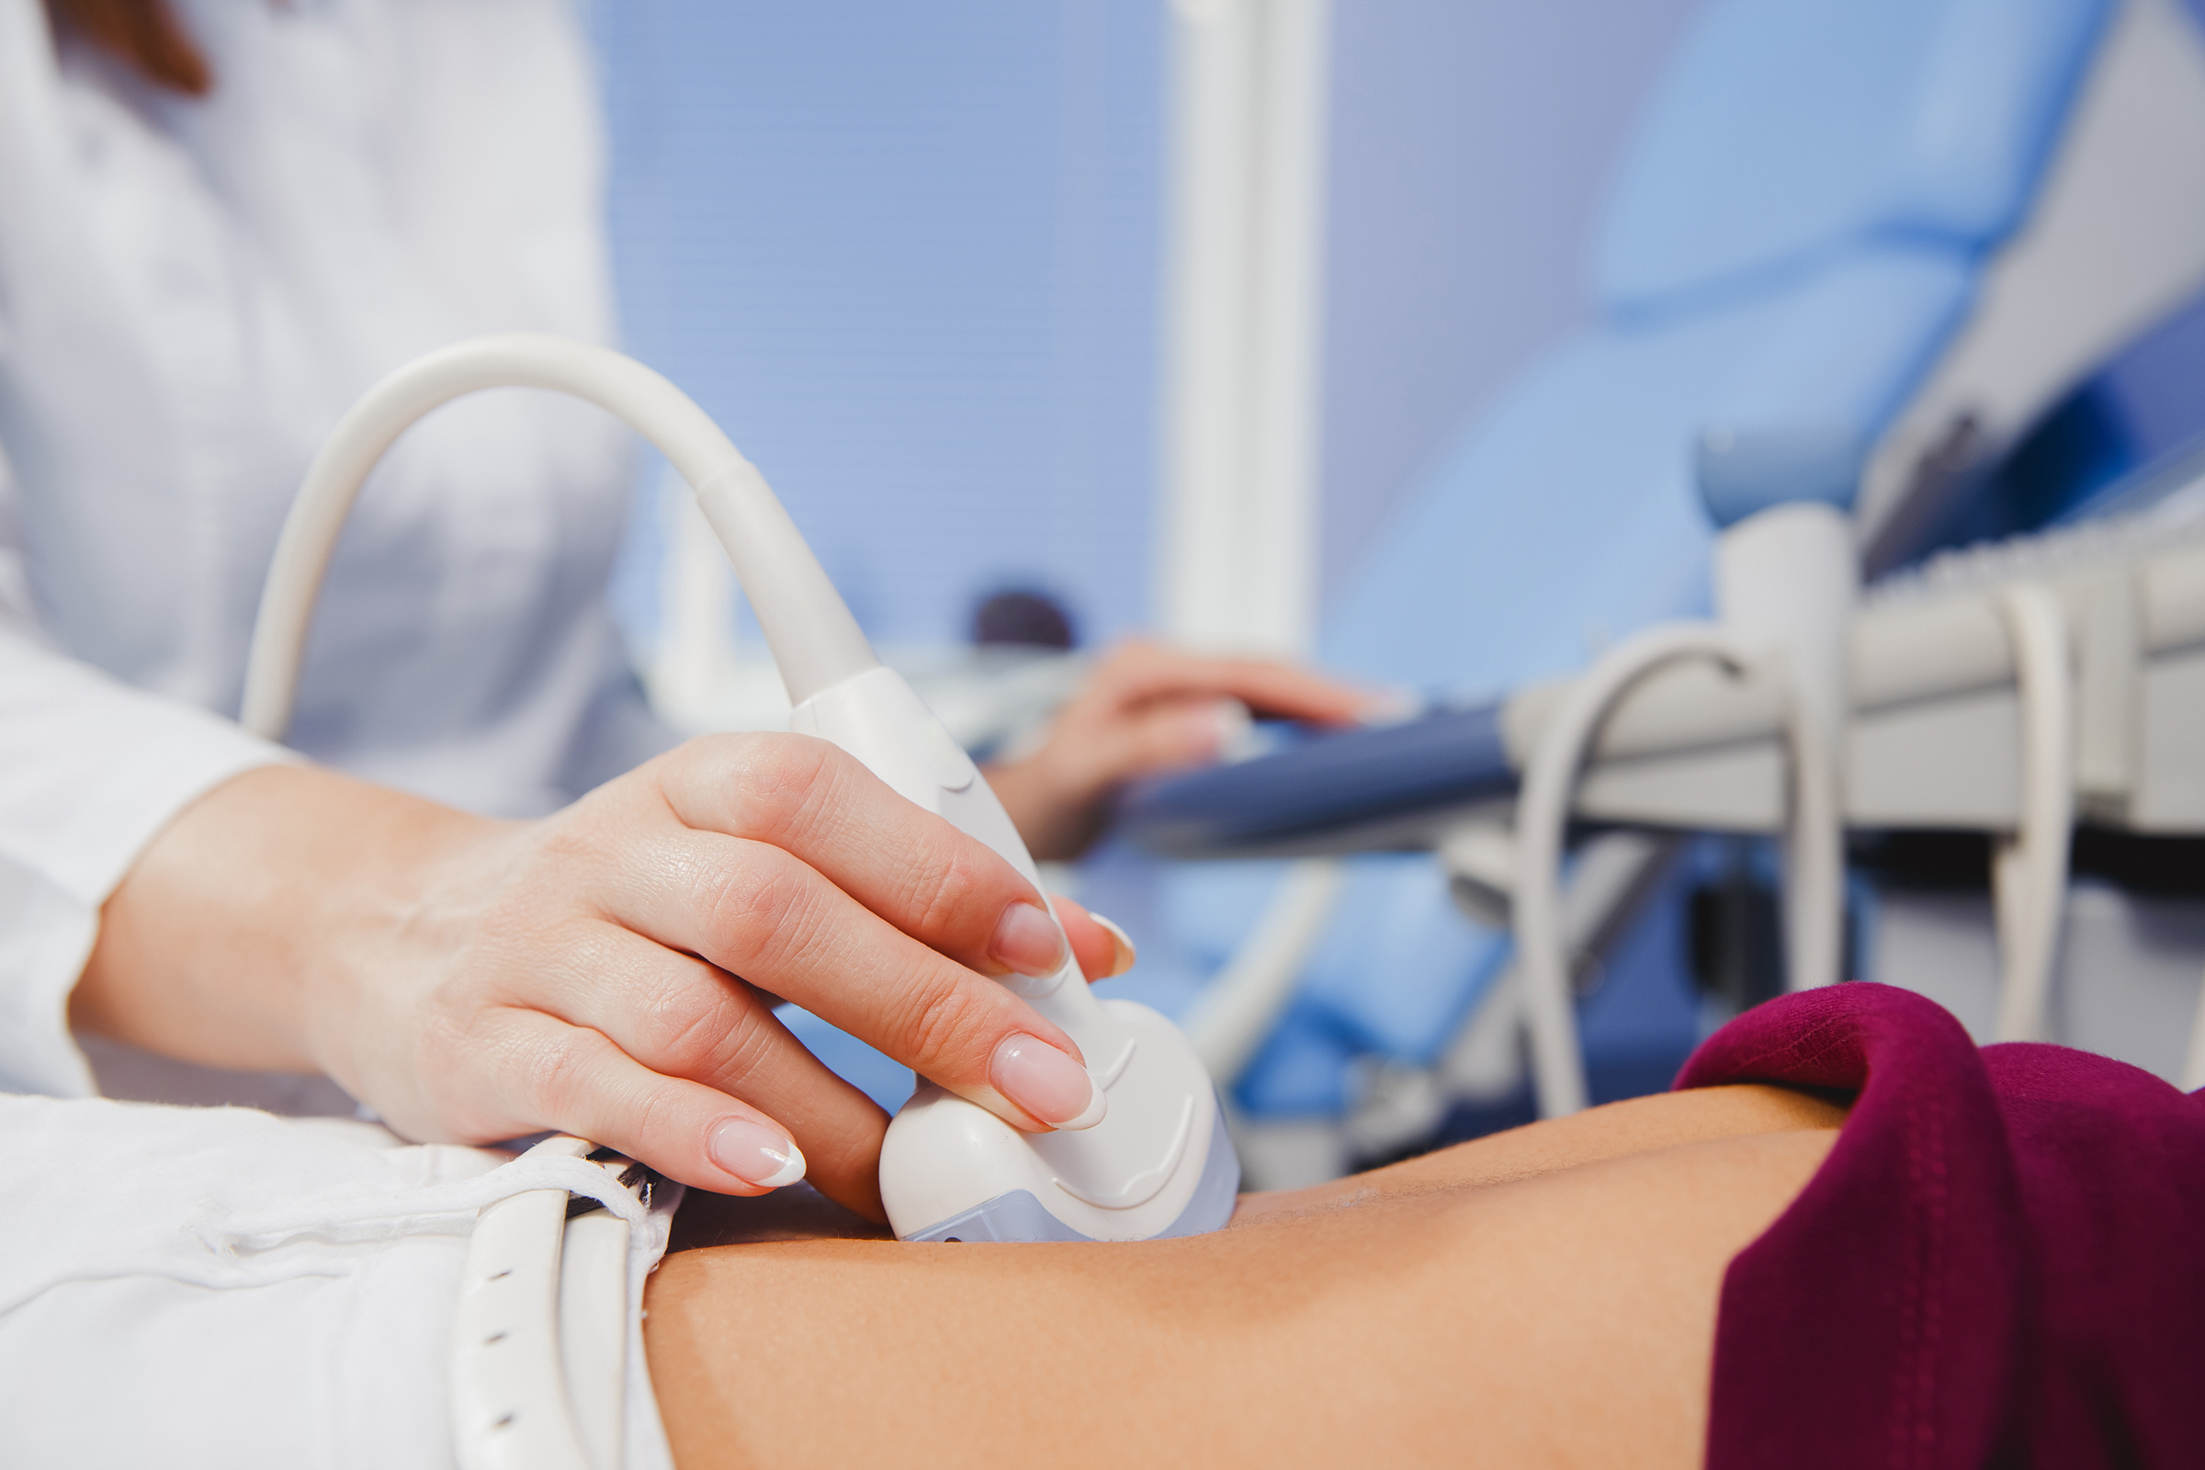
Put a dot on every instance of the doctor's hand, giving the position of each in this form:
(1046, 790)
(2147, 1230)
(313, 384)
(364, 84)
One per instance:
(609, 971)
(1144, 710)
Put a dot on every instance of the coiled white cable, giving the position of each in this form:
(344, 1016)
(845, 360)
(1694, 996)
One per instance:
(815, 641)
(2029, 867)
(1816, 869)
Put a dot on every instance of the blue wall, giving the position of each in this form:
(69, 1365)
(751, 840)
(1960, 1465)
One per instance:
(907, 255)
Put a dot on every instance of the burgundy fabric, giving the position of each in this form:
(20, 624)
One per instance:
(2001, 1262)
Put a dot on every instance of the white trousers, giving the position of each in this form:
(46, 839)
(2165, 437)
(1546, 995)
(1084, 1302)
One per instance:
(222, 1287)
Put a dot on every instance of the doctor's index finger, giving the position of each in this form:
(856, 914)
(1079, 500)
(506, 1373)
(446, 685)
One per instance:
(759, 912)
(916, 871)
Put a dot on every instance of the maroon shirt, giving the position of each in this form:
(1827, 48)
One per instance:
(2001, 1262)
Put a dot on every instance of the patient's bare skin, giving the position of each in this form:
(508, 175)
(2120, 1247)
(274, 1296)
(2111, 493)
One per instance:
(1541, 1297)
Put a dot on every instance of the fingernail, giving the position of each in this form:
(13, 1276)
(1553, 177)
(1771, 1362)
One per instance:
(1046, 1082)
(1028, 941)
(755, 1154)
(1123, 954)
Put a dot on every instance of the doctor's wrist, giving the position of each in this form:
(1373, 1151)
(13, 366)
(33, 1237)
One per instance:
(259, 905)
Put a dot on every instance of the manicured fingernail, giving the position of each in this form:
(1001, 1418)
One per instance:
(1046, 1083)
(1027, 940)
(1122, 954)
(755, 1154)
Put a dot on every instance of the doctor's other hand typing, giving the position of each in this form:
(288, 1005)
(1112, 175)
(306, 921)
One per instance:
(608, 971)
(1146, 709)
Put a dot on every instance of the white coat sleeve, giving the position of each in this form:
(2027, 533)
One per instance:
(90, 771)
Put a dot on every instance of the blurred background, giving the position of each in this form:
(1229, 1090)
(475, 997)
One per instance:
(1163, 315)
(918, 262)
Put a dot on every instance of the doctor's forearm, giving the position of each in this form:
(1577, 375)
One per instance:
(252, 893)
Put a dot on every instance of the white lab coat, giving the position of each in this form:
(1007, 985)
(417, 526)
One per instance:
(191, 293)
